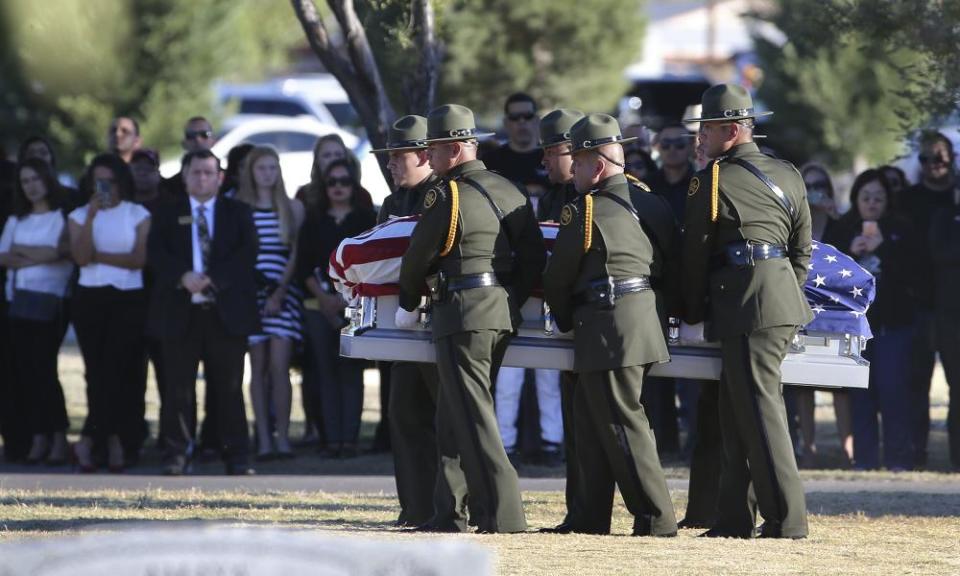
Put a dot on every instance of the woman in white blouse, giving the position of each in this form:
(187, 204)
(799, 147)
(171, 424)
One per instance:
(34, 251)
(108, 239)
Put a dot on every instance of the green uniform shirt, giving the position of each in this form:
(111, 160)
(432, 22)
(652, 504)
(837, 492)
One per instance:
(406, 201)
(630, 334)
(741, 300)
(513, 249)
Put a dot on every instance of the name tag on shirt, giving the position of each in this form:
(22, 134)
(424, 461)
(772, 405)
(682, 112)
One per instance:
(185, 220)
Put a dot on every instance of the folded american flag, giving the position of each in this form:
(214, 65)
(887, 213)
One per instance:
(839, 292)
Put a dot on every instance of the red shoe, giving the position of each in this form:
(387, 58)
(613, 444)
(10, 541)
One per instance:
(84, 464)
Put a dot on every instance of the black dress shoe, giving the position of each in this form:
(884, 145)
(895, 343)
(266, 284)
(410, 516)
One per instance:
(771, 530)
(430, 527)
(240, 470)
(689, 523)
(175, 466)
(562, 528)
(643, 526)
(718, 533)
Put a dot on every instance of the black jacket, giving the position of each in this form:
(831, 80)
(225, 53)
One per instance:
(945, 253)
(233, 259)
(896, 301)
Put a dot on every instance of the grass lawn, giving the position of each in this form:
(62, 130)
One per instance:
(851, 534)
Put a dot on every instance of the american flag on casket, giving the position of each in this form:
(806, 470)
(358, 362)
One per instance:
(838, 289)
(369, 264)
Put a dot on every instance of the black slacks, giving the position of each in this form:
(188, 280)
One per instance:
(110, 327)
(222, 356)
(340, 383)
(35, 347)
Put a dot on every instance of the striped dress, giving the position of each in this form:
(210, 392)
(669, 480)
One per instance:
(272, 258)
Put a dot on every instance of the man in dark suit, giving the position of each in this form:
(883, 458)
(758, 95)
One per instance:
(203, 252)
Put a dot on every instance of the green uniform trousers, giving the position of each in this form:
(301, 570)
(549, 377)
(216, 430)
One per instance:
(568, 388)
(413, 436)
(706, 460)
(471, 451)
(616, 448)
(756, 441)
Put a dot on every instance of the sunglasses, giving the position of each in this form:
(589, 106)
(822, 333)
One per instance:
(525, 116)
(675, 143)
(194, 134)
(822, 186)
(339, 181)
(935, 159)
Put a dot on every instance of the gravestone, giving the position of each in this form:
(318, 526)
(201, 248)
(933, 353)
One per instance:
(239, 551)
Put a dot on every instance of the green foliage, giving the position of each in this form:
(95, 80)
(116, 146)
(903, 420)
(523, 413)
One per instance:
(70, 66)
(857, 75)
(835, 105)
(563, 52)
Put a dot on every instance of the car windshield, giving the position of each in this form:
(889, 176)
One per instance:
(344, 114)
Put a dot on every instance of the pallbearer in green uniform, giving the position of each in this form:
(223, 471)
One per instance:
(479, 249)
(602, 281)
(746, 249)
(555, 140)
(413, 398)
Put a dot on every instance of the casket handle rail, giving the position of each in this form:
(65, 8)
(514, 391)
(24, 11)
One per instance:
(852, 347)
(362, 316)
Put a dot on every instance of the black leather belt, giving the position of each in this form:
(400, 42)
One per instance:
(605, 292)
(746, 254)
(441, 285)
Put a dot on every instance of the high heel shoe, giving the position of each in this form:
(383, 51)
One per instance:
(81, 462)
(115, 461)
(38, 450)
(59, 450)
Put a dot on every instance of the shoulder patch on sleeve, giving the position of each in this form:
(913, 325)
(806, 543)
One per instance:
(567, 214)
(694, 186)
(430, 199)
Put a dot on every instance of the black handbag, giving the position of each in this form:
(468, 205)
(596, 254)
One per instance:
(33, 305)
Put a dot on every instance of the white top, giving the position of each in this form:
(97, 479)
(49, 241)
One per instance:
(209, 209)
(37, 230)
(114, 232)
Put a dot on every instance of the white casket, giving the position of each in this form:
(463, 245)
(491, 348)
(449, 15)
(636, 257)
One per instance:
(366, 268)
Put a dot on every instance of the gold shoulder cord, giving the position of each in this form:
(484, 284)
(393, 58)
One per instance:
(454, 218)
(715, 191)
(587, 222)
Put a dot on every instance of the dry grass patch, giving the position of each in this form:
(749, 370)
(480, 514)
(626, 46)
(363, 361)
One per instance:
(851, 533)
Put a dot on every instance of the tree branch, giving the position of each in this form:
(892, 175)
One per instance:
(422, 90)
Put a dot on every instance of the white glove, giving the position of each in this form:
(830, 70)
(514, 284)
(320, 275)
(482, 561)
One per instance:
(407, 320)
(691, 334)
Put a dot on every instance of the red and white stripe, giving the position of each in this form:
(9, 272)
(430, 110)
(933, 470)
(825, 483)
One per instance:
(369, 264)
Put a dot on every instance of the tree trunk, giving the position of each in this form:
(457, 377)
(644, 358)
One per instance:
(351, 62)
(420, 91)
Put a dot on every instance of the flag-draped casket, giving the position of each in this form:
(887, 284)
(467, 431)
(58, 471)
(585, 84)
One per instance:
(826, 353)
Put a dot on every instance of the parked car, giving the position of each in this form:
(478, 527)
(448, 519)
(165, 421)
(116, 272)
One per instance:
(293, 139)
(316, 95)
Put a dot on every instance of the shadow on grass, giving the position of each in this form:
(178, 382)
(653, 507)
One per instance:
(877, 504)
(114, 524)
(148, 503)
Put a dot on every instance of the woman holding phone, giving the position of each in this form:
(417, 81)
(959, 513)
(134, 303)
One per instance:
(108, 239)
(884, 244)
(823, 215)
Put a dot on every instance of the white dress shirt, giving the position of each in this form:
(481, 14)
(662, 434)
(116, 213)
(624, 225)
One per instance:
(209, 211)
(37, 230)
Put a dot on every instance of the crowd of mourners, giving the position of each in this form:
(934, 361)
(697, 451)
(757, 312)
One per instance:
(100, 257)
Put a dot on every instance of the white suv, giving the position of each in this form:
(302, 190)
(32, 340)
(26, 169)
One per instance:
(293, 139)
